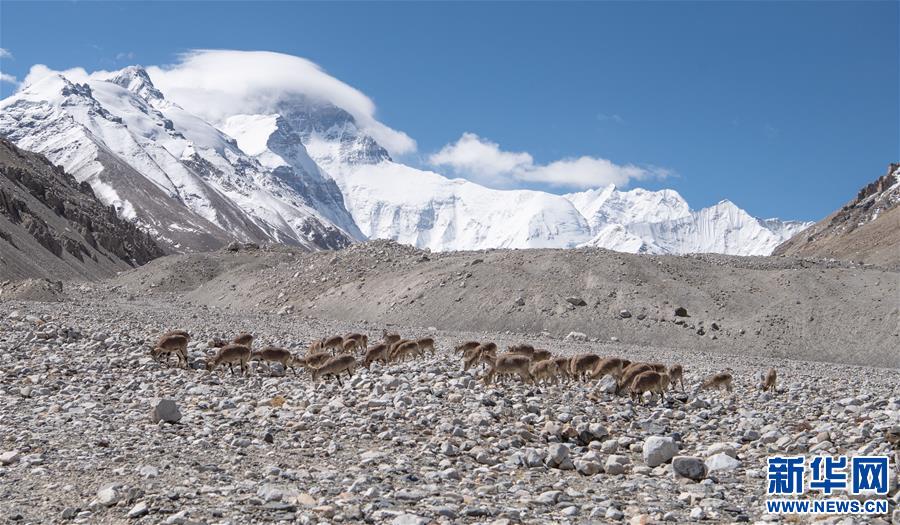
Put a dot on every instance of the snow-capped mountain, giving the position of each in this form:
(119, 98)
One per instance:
(641, 221)
(306, 173)
(175, 174)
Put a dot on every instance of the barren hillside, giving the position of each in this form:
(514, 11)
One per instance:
(764, 306)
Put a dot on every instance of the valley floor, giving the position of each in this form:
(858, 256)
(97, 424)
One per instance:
(416, 442)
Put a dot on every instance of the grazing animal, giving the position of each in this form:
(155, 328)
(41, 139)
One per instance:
(243, 339)
(171, 344)
(523, 349)
(510, 364)
(230, 354)
(630, 372)
(272, 354)
(315, 347)
(389, 339)
(659, 368)
(362, 341)
(611, 366)
(426, 343)
(720, 380)
(216, 342)
(676, 375)
(648, 381)
(582, 365)
(333, 343)
(378, 352)
(541, 355)
(315, 359)
(468, 345)
(334, 367)
(545, 371)
(407, 349)
(392, 348)
(350, 346)
(769, 383)
(484, 353)
(176, 332)
(562, 364)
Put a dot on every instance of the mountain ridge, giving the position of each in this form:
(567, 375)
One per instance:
(306, 174)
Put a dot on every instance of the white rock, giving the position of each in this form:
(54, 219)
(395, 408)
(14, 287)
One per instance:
(10, 457)
(658, 450)
(721, 462)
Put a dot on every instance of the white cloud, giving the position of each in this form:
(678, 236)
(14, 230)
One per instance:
(125, 56)
(216, 84)
(4, 53)
(483, 161)
(5, 77)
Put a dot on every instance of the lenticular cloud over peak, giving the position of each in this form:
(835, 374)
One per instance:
(216, 84)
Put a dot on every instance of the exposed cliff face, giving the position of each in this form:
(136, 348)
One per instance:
(53, 226)
(866, 229)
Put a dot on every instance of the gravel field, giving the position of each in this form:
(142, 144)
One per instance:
(410, 443)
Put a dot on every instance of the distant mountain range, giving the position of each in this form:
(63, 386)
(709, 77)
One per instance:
(308, 175)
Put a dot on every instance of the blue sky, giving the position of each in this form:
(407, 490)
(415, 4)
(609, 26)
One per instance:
(786, 109)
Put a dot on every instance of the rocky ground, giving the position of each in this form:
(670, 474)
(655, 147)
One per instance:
(774, 307)
(418, 442)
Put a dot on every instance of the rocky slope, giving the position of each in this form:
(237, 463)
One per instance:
(866, 229)
(416, 443)
(51, 226)
(175, 174)
(766, 306)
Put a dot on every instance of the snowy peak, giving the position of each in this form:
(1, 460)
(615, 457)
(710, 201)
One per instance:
(330, 133)
(136, 80)
(107, 132)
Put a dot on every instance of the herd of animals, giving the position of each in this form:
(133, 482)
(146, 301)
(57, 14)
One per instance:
(338, 354)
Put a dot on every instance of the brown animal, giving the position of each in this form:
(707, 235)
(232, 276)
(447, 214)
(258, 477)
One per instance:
(676, 375)
(176, 332)
(562, 364)
(314, 360)
(392, 348)
(333, 343)
(510, 364)
(378, 352)
(484, 353)
(334, 367)
(630, 372)
(611, 366)
(350, 346)
(171, 344)
(545, 371)
(648, 381)
(769, 382)
(523, 349)
(244, 339)
(389, 339)
(362, 341)
(582, 365)
(272, 354)
(720, 380)
(407, 349)
(468, 345)
(540, 355)
(426, 344)
(315, 347)
(216, 342)
(230, 354)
